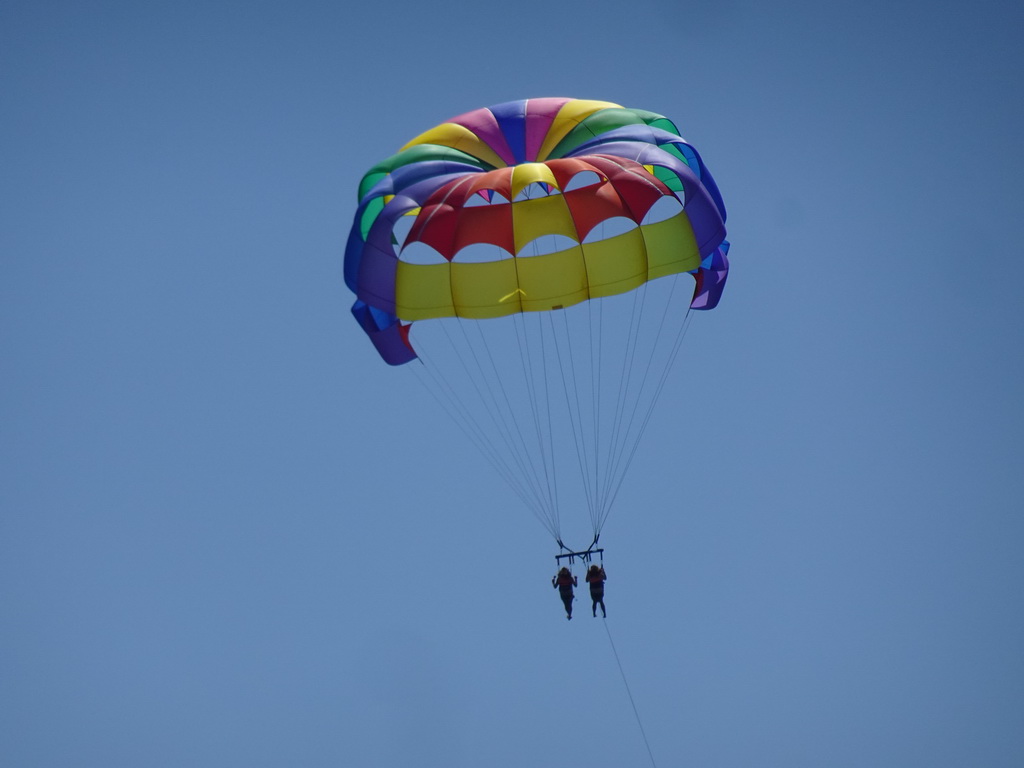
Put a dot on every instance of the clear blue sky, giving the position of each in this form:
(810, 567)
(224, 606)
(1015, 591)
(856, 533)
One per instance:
(231, 536)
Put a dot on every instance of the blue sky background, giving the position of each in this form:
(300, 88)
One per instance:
(231, 536)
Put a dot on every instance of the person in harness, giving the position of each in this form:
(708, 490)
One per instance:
(565, 581)
(596, 578)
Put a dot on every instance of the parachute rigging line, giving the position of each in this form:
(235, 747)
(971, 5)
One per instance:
(547, 405)
(440, 390)
(446, 395)
(579, 439)
(595, 381)
(663, 378)
(521, 447)
(508, 403)
(625, 376)
(529, 378)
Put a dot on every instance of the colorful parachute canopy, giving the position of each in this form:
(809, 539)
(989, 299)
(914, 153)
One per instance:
(530, 206)
(529, 256)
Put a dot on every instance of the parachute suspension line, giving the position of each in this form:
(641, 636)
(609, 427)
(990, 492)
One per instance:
(579, 437)
(472, 429)
(547, 401)
(595, 375)
(661, 384)
(468, 425)
(629, 351)
(460, 415)
(602, 398)
(630, 443)
(617, 405)
(537, 505)
(591, 445)
(494, 407)
(553, 485)
(662, 380)
(526, 453)
(629, 693)
(529, 378)
(622, 438)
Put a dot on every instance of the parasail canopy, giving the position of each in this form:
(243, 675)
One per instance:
(512, 219)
